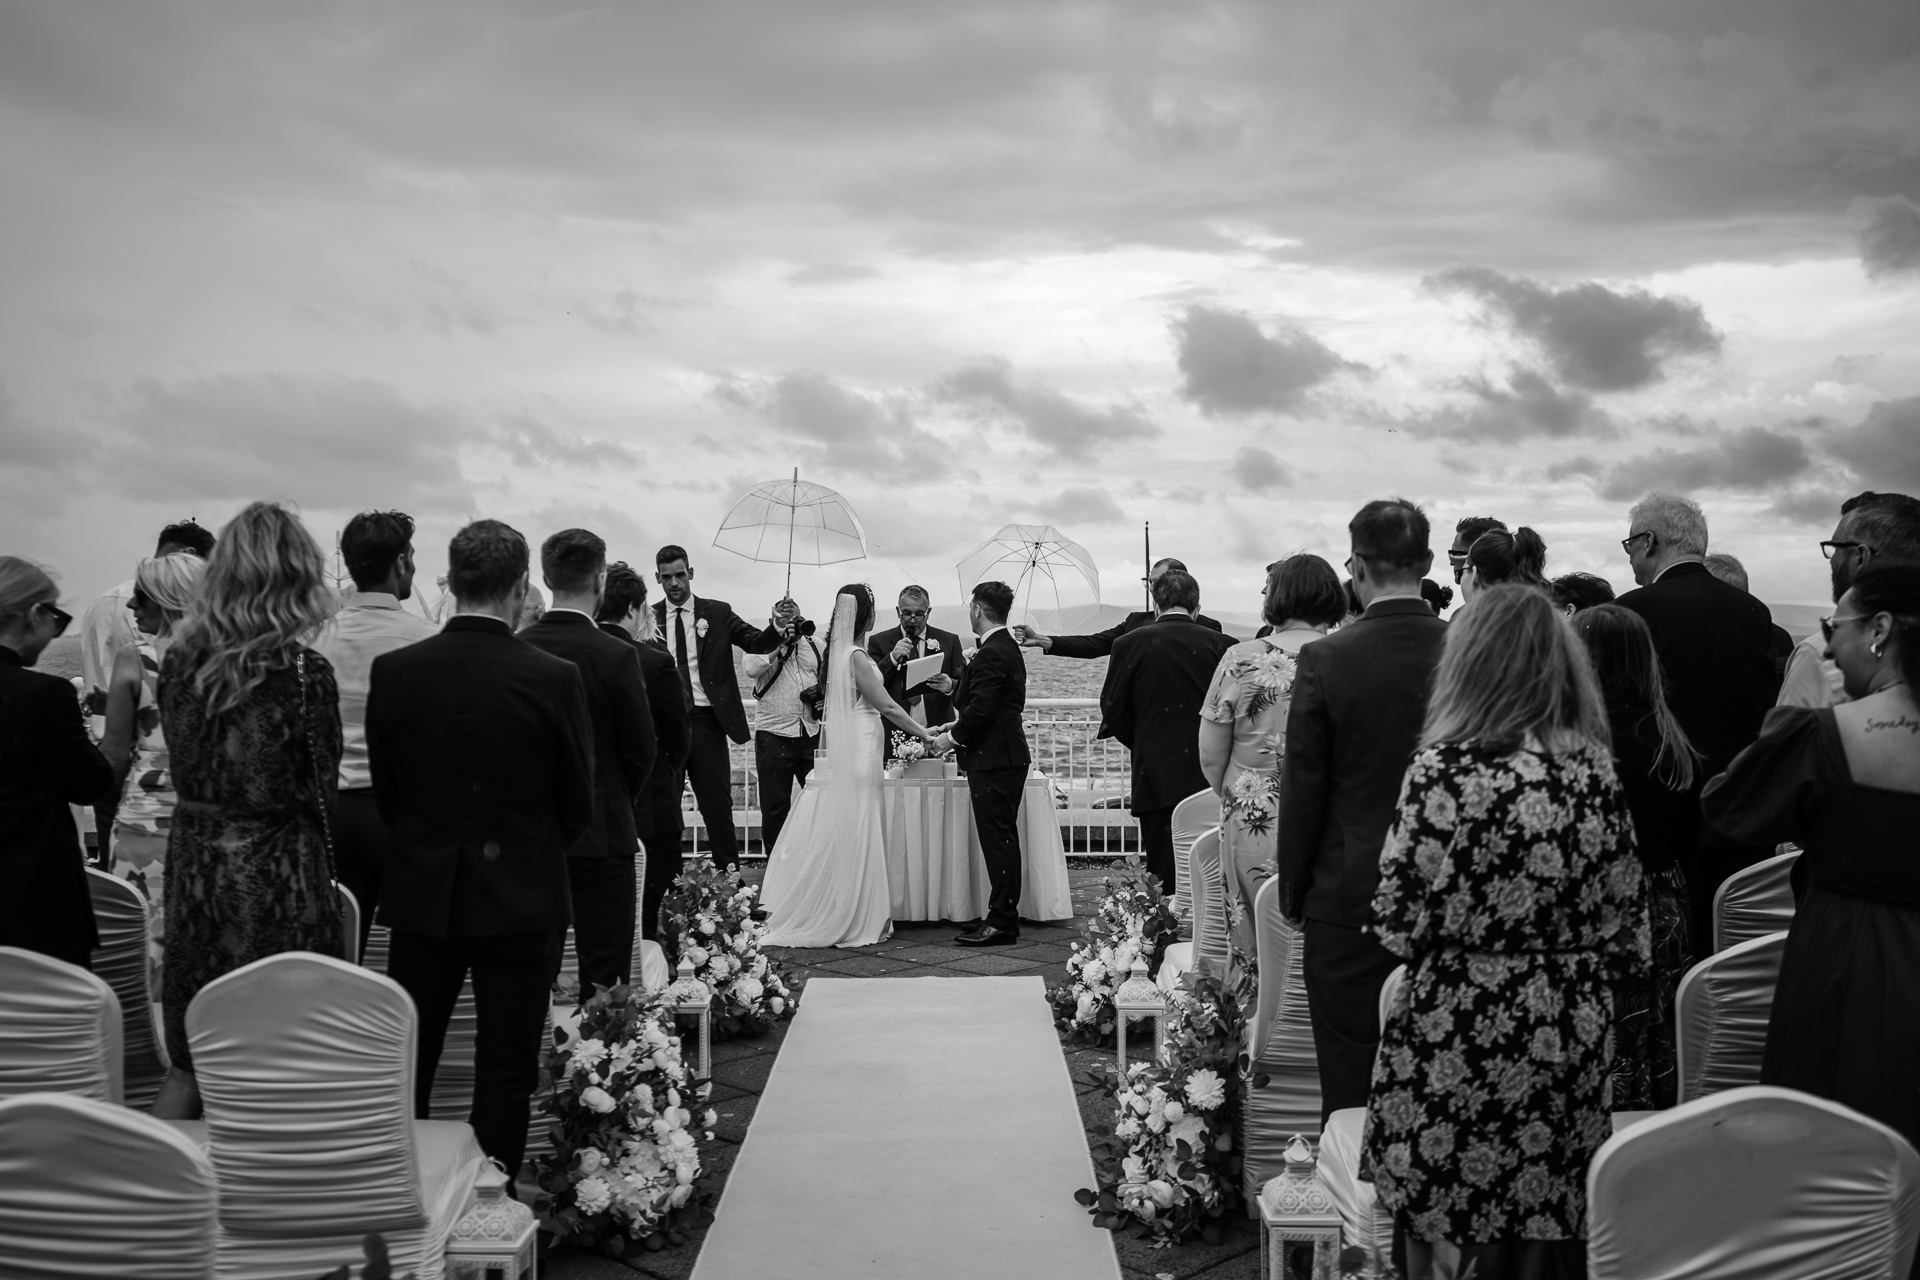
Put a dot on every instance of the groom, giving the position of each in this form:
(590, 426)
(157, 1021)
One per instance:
(992, 746)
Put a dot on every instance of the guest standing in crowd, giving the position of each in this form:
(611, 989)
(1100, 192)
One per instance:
(1655, 764)
(1243, 725)
(1100, 643)
(1151, 701)
(600, 860)
(1875, 528)
(106, 626)
(786, 731)
(1465, 534)
(1573, 592)
(1509, 885)
(623, 612)
(1358, 698)
(701, 636)
(482, 753)
(1843, 783)
(135, 741)
(252, 722)
(891, 650)
(47, 763)
(1716, 649)
(378, 549)
(1498, 557)
(1730, 571)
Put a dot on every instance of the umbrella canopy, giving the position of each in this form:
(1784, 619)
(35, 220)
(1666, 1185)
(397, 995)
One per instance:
(1052, 576)
(792, 522)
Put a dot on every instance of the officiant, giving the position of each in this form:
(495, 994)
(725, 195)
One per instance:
(919, 663)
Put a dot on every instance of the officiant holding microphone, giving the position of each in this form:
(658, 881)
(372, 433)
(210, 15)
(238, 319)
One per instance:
(925, 692)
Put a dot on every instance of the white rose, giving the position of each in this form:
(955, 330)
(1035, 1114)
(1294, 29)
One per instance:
(1095, 972)
(592, 1195)
(1161, 1192)
(586, 1055)
(1156, 1122)
(713, 1118)
(1134, 1168)
(704, 924)
(594, 1098)
(589, 1159)
(777, 1005)
(747, 990)
(681, 1194)
(696, 956)
(1083, 1008)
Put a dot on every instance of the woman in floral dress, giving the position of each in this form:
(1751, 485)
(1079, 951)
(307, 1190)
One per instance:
(1243, 726)
(1510, 884)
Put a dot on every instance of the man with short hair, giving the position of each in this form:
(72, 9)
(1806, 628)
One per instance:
(600, 862)
(1100, 644)
(1874, 528)
(106, 626)
(891, 650)
(377, 547)
(785, 731)
(1465, 534)
(1573, 592)
(1729, 570)
(1359, 700)
(482, 754)
(1151, 703)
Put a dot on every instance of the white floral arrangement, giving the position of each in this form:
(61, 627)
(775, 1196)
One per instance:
(1133, 921)
(906, 749)
(708, 919)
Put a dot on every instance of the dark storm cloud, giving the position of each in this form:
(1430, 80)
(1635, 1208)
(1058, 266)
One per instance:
(1064, 426)
(1593, 337)
(1884, 450)
(1757, 459)
(845, 430)
(1228, 367)
(1527, 406)
(1257, 470)
(1890, 237)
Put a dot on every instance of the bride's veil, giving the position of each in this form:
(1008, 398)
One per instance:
(838, 704)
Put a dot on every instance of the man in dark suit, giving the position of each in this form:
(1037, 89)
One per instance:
(1151, 703)
(700, 636)
(1100, 644)
(1359, 698)
(656, 807)
(991, 742)
(600, 863)
(1716, 649)
(929, 702)
(481, 749)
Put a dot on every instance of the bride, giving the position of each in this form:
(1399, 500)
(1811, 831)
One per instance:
(826, 881)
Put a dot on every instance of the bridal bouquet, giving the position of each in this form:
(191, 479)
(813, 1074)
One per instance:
(628, 1122)
(1134, 919)
(906, 750)
(709, 919)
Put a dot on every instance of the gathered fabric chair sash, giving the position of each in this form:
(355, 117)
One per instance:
(1754, 901)
(125, 922)
(59, 1029)
(349, 923)
(1721, 1012)
(1280, 1046)
(1192, 816)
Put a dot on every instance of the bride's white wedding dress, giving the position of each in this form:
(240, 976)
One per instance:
(826, 881)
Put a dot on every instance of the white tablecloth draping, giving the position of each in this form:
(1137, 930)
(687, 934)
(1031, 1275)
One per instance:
(934, 867)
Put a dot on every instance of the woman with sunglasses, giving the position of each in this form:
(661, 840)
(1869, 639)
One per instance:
(1844, 784)
(47, 762)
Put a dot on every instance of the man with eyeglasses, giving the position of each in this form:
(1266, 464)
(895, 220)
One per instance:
(1874, 528)
(1465, 534)
(928, 700)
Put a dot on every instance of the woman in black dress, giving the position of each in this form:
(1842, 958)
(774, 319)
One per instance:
(252, 719)
(1844, 784)
(1656, 766)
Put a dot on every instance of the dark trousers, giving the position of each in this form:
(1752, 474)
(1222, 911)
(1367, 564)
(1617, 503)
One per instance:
(1344, 970)
(1156, 842)
(658, 820)
(362, 842)
(782, 762)
(512, 984)
(710, 769)
(1704, 870)
(603, 918)
(996, 816)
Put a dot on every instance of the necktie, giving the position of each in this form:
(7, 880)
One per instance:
(680, 651)
(919, 708)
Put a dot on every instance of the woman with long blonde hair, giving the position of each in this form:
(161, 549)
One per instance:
(1509, 884)
(252, 717)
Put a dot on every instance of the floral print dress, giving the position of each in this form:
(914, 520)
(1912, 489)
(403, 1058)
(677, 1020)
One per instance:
(1511, 885)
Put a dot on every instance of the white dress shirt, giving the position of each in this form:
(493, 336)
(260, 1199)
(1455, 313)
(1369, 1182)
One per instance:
(691, 620)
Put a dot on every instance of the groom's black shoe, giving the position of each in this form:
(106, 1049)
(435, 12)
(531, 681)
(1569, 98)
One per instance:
(988, 936)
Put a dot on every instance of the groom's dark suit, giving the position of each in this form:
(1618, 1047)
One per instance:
(992, 748)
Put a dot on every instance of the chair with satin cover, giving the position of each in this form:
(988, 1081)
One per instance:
(1754, 901)
(305, 1065)
(1196, 814)
(60, 1029)
(349, 923)
(1209, 902)
(1755, 1183)
(1720, 1016)
(1280, 1047)
(92, 1189)
(1362, 1220)
(648, 967)
(125, 921)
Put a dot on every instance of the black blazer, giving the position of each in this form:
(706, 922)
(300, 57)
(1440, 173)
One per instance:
(725, 630)
(1716, 649)
(953, 664)
(624, 749)
(481, 749)
(1666, 823)
(1100, 643)
(1359, 700)
(1151, 702)
(672, 731)
(46, 763)
(987, 703)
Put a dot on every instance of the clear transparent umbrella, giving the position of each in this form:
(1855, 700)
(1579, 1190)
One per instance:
(1052, 576)
(794, 521)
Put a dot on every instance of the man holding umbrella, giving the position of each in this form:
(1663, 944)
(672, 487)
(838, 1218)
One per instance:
(1100, 644)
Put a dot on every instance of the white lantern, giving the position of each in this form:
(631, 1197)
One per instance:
(494, 1240)
(1139, 998)
(1296, 1213)
(690, 998)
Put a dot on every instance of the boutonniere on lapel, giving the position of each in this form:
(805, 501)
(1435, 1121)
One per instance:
(966, 655)
(700, 629)
(933, 646)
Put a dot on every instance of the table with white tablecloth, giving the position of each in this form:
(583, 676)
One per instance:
(934, 866)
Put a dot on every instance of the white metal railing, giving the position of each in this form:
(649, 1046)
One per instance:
(1089, 775)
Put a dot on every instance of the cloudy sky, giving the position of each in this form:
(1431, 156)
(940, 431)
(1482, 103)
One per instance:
(1231, 268)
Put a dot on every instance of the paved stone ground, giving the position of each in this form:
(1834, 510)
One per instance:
(741, 1068)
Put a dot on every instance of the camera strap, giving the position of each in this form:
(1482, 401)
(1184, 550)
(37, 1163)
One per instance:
(772, 673)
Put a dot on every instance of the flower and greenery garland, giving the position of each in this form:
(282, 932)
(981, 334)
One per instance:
(1134, 919)
(709, 919)
(626, 1136)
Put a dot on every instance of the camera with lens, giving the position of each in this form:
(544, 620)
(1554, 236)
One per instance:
(792, 632)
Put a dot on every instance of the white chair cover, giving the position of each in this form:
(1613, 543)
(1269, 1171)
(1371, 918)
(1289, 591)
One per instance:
(125, 922)
(1280, 1046)
(1720, 1012)
(1363, 1221)
(305, 1065)
(1191, 816)
(349, 923)
(1209, 934)
(91, 1189)
(1754, 902)
(1754, 1184)
(59, 1029)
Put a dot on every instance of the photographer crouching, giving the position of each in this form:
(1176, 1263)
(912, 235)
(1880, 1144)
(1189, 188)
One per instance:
(786, 725)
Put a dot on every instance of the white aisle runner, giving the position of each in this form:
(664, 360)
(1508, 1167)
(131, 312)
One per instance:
(913, 1127)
